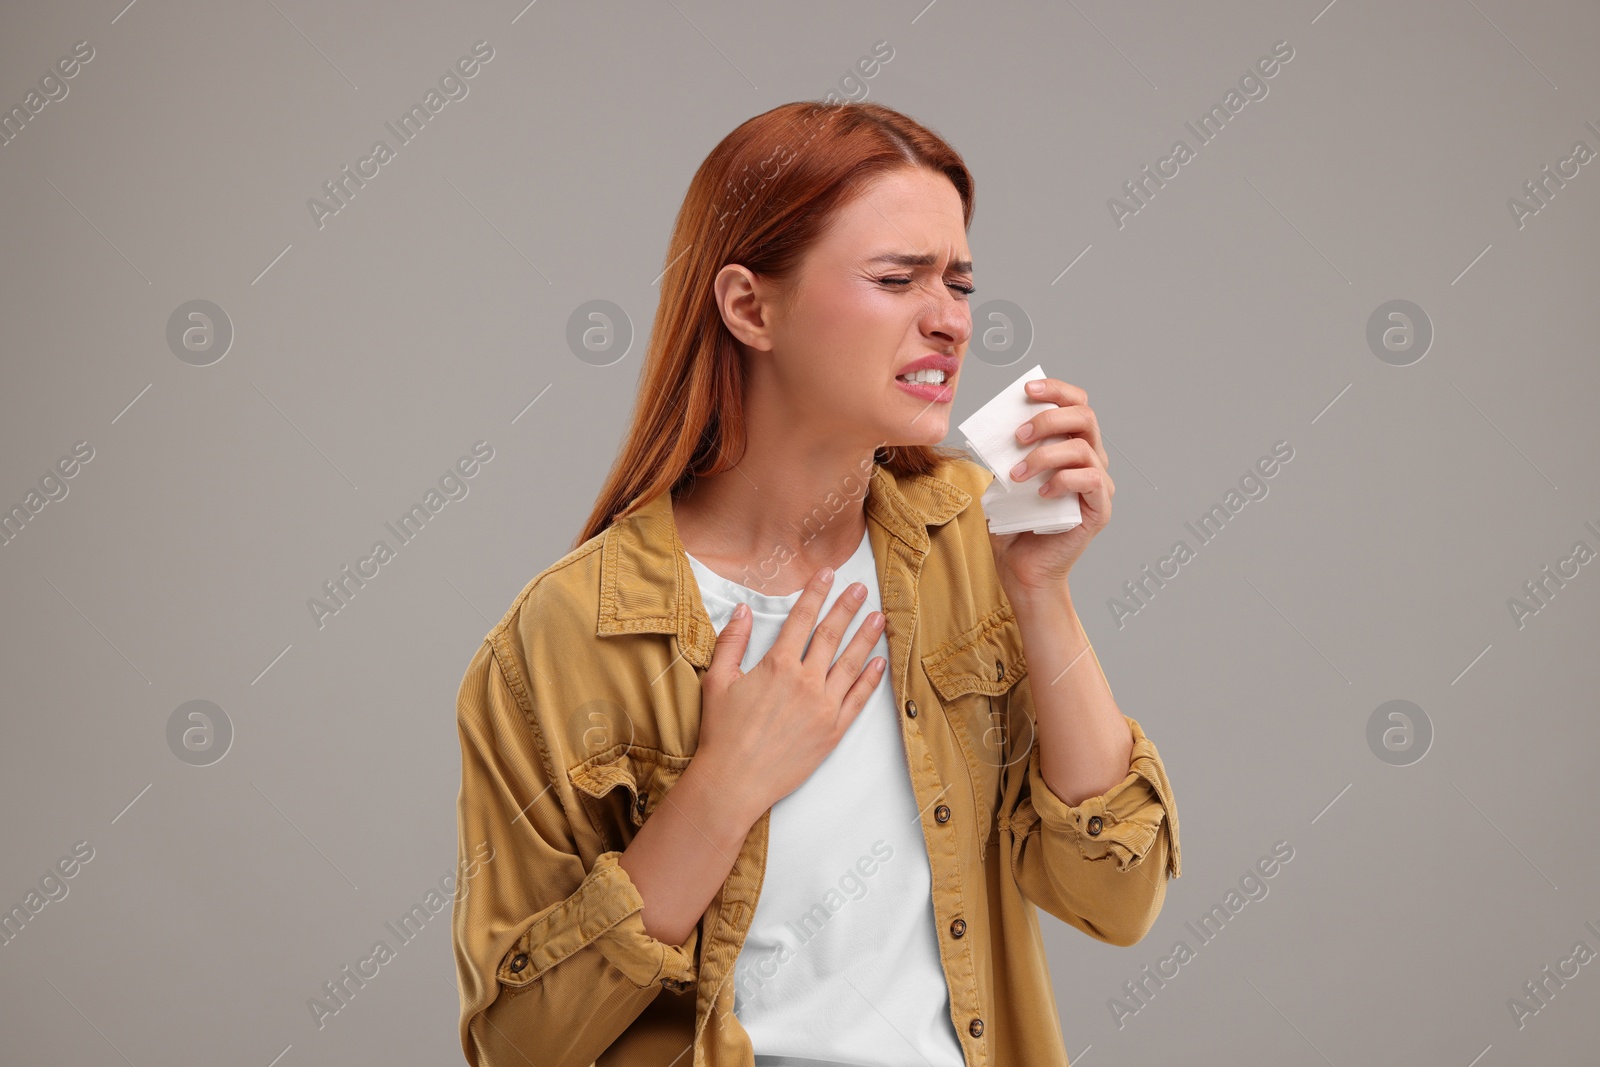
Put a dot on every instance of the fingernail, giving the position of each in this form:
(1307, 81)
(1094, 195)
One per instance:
(1025, 431)
(827, 574)
(1034, 387)
(1016, 472)
(741, 611)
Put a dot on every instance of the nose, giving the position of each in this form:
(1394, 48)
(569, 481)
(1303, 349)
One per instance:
(950, 319)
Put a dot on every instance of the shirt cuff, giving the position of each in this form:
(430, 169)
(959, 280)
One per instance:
(1121, 823)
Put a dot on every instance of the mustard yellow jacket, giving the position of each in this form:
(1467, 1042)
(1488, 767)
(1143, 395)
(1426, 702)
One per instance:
(582, 707)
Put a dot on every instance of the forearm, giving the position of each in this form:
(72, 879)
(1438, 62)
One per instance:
(683, 853)
(1084, 742)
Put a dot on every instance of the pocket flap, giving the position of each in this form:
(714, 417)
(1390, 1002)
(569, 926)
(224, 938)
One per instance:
(985, 659)
(646, 774)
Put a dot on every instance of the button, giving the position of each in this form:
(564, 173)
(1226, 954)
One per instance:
(999, 671)
(1094, 825)
(942, 813)
(677, 985)
(911, 708)
(518, 962)
(976, 1028)
(958, 928)
(643, 798)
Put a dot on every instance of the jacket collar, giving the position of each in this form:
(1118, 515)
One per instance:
(646, 585)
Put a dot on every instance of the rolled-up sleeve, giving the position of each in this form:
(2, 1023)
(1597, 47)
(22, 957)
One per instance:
(606, 911)
(1100, 865)
(552, 957)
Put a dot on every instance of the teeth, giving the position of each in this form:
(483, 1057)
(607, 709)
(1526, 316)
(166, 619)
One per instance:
(934, 376)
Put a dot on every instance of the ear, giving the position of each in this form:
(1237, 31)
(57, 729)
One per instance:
(747, 304)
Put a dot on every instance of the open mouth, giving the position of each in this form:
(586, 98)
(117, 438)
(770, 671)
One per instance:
(925, 377)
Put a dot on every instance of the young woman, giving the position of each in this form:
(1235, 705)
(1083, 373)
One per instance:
(776, 764)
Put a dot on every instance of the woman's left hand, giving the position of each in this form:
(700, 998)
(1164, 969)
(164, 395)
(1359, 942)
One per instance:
(1069, 445)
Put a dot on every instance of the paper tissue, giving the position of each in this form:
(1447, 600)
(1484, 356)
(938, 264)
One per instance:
(990, 433)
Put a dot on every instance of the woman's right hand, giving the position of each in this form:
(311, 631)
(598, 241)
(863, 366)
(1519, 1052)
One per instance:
(764, 732)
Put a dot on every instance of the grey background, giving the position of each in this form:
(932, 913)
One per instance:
(432, 312)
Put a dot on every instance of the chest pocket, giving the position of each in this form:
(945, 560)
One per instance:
(623, 785)
(974, 674)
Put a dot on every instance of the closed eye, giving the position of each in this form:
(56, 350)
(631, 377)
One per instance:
(966, 290)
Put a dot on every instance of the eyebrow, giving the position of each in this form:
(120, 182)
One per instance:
(927, 259)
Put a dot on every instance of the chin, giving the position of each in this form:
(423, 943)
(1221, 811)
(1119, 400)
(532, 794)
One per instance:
(931, 429)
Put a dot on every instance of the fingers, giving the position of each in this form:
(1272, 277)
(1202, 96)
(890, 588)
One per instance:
(860, 692)
(1057, 390)
(796, 629)
(1057, 420)
(848, 668)
(825, 642)
(728, 653)
(1071, 452)
(1074, 419)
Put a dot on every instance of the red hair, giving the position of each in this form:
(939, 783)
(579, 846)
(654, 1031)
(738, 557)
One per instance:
(761, 199)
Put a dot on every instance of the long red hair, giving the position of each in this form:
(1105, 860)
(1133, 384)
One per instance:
(760, 199)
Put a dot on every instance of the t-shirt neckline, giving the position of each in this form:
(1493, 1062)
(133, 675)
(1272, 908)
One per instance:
(728, 592)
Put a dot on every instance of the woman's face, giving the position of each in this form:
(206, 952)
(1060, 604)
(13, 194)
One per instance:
(884, 287)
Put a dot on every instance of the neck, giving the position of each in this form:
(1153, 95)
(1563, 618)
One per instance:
(786, 510)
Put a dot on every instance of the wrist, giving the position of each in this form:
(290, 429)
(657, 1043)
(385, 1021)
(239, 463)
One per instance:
(714, 803)
(1032, 600)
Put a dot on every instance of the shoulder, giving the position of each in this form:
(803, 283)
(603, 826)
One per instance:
(558, 606)
(559, 589)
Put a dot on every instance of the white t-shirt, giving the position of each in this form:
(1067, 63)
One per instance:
(841, 964)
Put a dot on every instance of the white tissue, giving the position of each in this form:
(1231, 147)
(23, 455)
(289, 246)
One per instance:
(991, 436)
